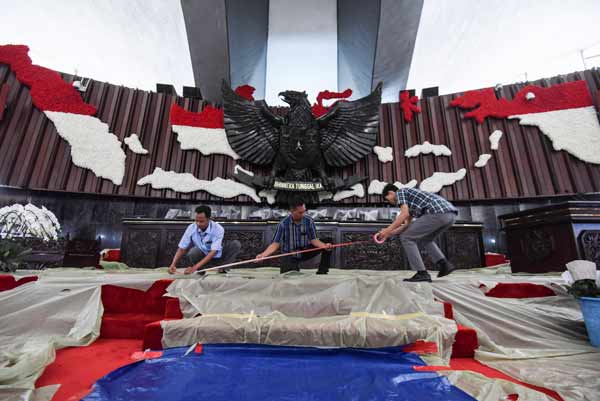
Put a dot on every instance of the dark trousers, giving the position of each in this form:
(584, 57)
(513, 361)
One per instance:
(289, 263)
(228, 254)
(425, 230)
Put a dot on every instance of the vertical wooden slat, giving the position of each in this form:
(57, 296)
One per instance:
(32, 141)
(424, 134)
(123, 129)
(460, 190)
(14, 134)
(97, 95)
(138, 126)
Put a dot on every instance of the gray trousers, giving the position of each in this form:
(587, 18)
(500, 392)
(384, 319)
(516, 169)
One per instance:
(228, 254)
(425, 230)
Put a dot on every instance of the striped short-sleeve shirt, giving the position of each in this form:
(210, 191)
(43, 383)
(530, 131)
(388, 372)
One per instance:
(293, 236)
(421, 202)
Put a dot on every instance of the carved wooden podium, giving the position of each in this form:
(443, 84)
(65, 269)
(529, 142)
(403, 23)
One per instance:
(545, 239)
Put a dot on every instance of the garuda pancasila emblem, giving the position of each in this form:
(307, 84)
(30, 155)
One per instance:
(299, 146)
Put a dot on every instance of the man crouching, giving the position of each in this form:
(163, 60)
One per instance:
(423, 217)
(297, 232)
(205, 238)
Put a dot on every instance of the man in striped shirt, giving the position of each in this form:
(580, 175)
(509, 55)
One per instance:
(432, 216)
(297, 232)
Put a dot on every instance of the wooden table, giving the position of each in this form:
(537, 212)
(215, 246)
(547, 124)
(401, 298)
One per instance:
(545, 239)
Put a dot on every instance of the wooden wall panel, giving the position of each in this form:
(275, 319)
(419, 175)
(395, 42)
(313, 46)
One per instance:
(33, 156)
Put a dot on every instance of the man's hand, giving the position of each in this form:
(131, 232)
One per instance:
(190, 270)
(172, 269)
(384, 234)
(327, 246)
(259, 257)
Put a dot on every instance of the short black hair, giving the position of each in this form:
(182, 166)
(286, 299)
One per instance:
(388, 188)
(294, 203)
(204, 209)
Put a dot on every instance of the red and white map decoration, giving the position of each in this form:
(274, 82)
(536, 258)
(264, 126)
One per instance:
(93, 146)
(408, 104)
(205, 131)
(565, 113)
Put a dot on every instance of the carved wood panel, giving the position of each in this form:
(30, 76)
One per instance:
(537, 244)
(590, 245)
(463, 249)
(171, 242)
(369, 255)
(141, 248)
(252, 242)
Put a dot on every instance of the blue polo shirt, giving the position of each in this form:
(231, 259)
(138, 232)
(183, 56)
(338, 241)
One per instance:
(208, 240)
(295, 236)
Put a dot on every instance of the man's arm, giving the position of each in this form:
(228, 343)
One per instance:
(317, 243)
(271, 249)
(403, 227)
(202, 262)
(403, 217)
(182, 247)
(178, 255)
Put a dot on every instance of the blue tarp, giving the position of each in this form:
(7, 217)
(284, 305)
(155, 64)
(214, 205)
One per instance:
(245, 372)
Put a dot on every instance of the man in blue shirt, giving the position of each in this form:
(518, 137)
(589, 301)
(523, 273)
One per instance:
(432, 216)
(205, 238)
(295, 233)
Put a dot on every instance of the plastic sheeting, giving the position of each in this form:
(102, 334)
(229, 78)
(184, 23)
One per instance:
(36, 320)
(485, 389)
(541, 341)
(140, 279)
(359, 330)
(574, 377)
(302, 295)
(251, 372)
(63, 308)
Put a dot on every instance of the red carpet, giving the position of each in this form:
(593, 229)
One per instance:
(127, 311)
(475, 366)
(8, 282)
(519, 290)
(78, 368)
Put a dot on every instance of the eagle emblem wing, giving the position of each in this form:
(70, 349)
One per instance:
(349, 130)
(252, 129)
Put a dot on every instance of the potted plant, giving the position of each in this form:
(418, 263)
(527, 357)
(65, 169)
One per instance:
(19, 222)
(11, 255)
(585, 287)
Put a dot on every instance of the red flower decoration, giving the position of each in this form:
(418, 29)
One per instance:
(209, 117)
(245, 91)
(319, 110)
(408, 105)
(49, 92)
(569, 95)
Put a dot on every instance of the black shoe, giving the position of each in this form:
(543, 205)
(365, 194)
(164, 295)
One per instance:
(444, 268)
(201, 272)
(322, 271)
(420, 276)
(223, 271)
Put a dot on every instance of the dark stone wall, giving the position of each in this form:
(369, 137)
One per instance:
(87, 216)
